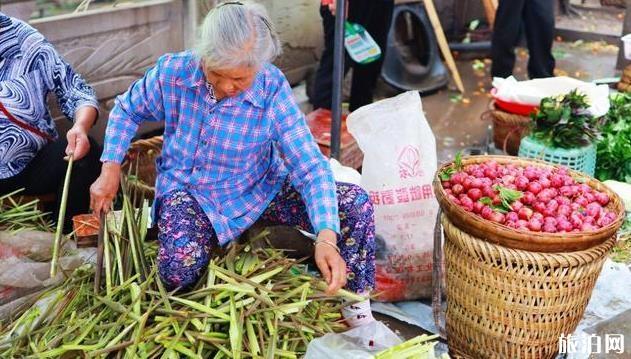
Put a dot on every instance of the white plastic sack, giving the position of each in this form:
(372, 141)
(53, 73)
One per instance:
(399, 165)
(532, 91)
(344, 173)
(362, 342)
(25, 263)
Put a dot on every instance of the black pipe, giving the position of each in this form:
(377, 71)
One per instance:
(471, 46)
(338, 77)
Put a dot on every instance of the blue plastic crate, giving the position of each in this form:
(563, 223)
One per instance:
(580, 159)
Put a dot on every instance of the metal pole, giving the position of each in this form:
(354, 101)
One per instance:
(338, 78)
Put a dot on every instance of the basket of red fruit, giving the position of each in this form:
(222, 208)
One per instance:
(527, 204)
(524, 244)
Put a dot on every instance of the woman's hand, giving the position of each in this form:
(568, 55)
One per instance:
(78, 143)
(77, 136)
(103, 190)
(329, 261)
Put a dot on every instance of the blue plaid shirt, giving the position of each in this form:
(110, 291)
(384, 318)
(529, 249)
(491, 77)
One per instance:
(232, 155)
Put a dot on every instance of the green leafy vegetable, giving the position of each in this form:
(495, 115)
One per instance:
(508, 196)
(563, 121)
(614, 148)
(446, 174)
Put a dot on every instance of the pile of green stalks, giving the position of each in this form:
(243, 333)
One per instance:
(251, 303)
(16, 216)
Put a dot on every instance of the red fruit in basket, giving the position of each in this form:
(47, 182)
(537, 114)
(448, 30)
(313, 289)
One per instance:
(564, 210)
(490, 173)
(586, 227)
(544, 196)
(564, 225)
(606, 219)
(522, 224)
(448, 191)
(550, 220)
(508, 179)
(550, 228)
(521, 182)
(466, 183)
(538, 216)
(602, 198)
(465, 200)
(457, 189)
(528, 198)
(497, 217)
(453, 199)
(535, 225)
(563, 200)
(531, 173)
(589, 197)
(557, 181)
(576, 219)
(589, 220)
(539, 207)
(584, 188)
(488, 192)
(475, 194)
(446, 184)
(496, 200)
(593, 209)
(566, 191)
(535, 187)
(492, 164)
(458, 177)
(512, 217)
(477, 183)
(545, 182)
(581, 201)
(487, 182)
(486, 212)
(477, 207)
(478, 173)
(517, 205)
(525, 213)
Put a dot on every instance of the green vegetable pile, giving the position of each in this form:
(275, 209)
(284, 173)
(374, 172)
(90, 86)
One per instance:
(250, 303)
(613, 160)
(16, 216)
(563, 121)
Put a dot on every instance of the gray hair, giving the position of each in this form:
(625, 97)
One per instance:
(236, 34)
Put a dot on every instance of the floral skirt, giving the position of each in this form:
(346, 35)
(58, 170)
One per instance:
(187, 237)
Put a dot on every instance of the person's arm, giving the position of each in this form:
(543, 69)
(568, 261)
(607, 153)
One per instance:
(312, 177)
(142, 102)
(75, 97)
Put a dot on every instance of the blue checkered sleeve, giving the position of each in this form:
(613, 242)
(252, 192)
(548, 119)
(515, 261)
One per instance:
(310, 171)
(142, 102)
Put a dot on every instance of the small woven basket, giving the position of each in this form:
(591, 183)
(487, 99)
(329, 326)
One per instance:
(581, 159)
(508, 303)
(508, 129)
(141, 163)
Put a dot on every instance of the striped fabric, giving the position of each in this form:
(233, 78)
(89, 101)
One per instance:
(30, 69)
(233, 155)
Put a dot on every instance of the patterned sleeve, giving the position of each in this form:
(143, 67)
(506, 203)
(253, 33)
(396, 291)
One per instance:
(142, 102)
(310, 172)
(71, 89)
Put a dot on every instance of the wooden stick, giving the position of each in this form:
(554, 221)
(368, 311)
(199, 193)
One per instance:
(99, 254)
(442, 43)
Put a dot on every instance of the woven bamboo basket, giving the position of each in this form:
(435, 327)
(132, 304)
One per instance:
(141, 163)
(511, 294)
(510, 303)
(508, 129)
(530, 241)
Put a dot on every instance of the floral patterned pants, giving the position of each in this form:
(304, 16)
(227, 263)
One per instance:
(186, 236)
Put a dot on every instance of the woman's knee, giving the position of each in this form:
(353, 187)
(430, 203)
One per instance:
(355, 202)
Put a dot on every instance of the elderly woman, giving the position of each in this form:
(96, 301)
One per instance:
(31, 152)
(237, 149)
